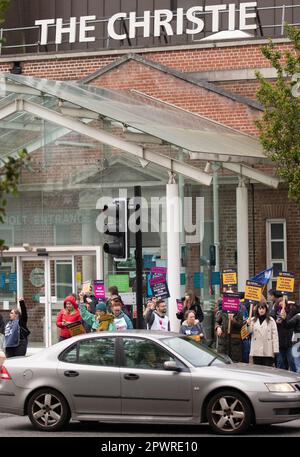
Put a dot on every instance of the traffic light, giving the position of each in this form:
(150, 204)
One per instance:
(212, 255)
(116, 225)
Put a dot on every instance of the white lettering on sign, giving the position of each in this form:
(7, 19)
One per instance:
(163, 20)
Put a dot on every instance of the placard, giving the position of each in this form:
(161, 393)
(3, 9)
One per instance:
(129, 298)
(285, 282)
(179, 305)
(120, 281)
(253, 291)
(159, 287)
(231, 303)
(229, 277)
(86, 286)
(99, 289)
(159, 270)
(6, 305)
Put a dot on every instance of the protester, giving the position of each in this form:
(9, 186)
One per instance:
(191, 303)
(16, 332)
(293, 323)
(113, 295)
(264, 341)
(121, 320)
(228, 330)
(245, 336)
(156, 316)
(273, 298)
(70, 313)
(191, 327)
(284, 359)
(90, 298)
(101, 321)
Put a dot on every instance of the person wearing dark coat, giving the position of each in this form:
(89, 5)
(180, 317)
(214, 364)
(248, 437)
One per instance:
(191, 303)
(16, 332)
(293, 323)
(228, 330)
(284, 359)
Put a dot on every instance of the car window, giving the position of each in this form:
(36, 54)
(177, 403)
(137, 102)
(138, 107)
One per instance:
(195, 353)
(94, 351)
(144, 354)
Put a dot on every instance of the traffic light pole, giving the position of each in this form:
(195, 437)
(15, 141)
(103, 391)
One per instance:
(139, 260)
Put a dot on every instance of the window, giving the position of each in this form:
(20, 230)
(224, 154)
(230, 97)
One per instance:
(144, 354)
(63, 278)
(276, 247)
(100, 352)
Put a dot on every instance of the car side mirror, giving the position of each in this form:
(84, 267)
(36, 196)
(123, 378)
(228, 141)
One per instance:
(171, 366)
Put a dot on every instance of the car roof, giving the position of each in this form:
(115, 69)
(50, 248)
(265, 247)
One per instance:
(142, 333)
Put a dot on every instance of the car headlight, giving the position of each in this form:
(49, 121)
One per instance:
(281, 387)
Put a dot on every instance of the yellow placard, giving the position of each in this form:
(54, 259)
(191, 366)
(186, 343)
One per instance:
(229, 278)
(253, 292)
(285, 283)
(78, 277)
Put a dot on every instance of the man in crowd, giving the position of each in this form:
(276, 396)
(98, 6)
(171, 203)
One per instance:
(156, 316)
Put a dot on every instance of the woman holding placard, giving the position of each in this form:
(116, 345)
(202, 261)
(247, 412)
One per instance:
(264, 342)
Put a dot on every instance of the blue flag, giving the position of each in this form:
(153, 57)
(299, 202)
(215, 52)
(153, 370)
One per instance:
(263, 277)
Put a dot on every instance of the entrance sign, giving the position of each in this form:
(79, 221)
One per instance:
(253, 291)
(179, 22)
(285, 282)
(231, 303)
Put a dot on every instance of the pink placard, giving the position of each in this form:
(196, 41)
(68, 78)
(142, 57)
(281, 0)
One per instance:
(159, 270)
(231, 303)
(99, 290)
(179, 305)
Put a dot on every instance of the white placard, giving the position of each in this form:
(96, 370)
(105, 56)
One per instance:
(6, 305)
(128, 298)
(43, 300)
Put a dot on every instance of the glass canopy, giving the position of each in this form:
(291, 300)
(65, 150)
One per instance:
(188, 131)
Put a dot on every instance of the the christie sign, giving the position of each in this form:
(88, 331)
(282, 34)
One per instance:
(178, 22)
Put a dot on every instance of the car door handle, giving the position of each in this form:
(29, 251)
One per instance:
(71, 374)
(131, 377)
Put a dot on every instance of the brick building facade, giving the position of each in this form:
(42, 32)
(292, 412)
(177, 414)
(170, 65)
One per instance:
(214, 80)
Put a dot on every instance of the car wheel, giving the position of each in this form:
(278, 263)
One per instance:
(229, 413)
(48, 410)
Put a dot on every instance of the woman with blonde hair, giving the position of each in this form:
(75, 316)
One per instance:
(191, 303)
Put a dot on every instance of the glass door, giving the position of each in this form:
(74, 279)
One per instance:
(34, 293)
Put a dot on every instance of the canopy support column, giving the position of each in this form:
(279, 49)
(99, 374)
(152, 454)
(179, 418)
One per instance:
(242, 233)
(173, 235)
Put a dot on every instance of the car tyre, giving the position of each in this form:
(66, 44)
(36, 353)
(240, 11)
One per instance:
(48, 410)
(229, 413)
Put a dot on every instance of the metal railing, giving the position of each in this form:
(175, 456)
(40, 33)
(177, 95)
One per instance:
(29, 38)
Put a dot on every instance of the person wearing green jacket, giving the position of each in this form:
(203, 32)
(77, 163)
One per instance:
(101, 321)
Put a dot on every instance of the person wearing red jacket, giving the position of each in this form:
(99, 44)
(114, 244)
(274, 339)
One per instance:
(70, 313)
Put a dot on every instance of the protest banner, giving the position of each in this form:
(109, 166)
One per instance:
(285, 282)
(231, 302)
(253, 291)
(99, 289)
(229, 277)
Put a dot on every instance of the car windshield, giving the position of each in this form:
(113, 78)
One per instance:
(195, 353)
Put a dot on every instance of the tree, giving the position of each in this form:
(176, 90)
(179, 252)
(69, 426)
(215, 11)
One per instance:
(10, 168)
(279, 126)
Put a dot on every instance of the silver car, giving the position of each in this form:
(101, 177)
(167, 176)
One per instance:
(145, 377)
